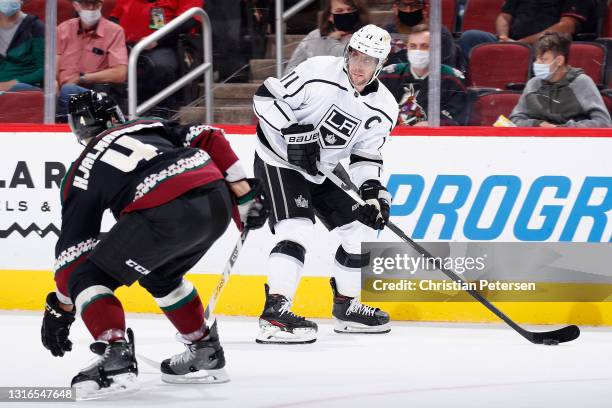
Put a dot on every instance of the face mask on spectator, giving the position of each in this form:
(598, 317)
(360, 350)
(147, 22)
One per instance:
(410, 19)
(543, 71)
(10, 7)
(418, 58)
(346, 21)
(90, 17)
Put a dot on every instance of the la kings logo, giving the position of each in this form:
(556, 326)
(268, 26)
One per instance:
(301, 202)
(337, 128)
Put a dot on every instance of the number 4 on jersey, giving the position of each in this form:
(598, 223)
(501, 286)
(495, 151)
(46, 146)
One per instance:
(127, 163)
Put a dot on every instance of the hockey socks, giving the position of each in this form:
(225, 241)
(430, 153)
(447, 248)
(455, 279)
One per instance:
(285, 266)
(347, 271)
(184, 309)
(102, 313)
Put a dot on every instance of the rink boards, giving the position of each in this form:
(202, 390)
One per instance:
(457, 184)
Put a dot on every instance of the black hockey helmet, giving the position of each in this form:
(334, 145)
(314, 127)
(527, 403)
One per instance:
(90, 113)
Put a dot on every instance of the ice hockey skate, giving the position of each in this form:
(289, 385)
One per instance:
(114, 373)
(279, 325)
(352, 316)
(202, 363)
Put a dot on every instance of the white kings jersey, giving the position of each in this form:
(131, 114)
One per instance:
(318, 92)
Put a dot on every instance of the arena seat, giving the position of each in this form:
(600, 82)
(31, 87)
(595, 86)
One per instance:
(22, 107)
(489, 106)
(497, 65)
(481, 15)
(107, 7)
(65, 10)
(449, 14)
(591, 57)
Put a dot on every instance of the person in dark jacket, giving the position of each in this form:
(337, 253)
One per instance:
(22, 49)
(558, 94)
(526, 21)
(409, 84)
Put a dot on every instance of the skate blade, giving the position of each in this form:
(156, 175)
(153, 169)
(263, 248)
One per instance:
(122, 384)
(270, 334)
(199, 377)
(341, 326)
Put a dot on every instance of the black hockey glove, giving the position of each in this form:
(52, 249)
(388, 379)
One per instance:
(56, 327)
(252, 206)
(375, 212)
(302, 147)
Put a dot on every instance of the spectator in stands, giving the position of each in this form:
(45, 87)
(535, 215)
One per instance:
(230, 49)
(526, 21)
(408, 14)
(408, 82)
(22, 48)
(91, 53)
(559, 95)
(339, 20)
(159, 64)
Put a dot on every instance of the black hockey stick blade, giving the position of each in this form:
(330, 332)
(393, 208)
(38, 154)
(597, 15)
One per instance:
(563, 335)
(340, 177)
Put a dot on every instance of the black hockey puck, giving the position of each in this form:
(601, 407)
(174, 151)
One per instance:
(550, 342)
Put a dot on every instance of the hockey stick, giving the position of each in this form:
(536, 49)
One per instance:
(340, 177)
(229, 265)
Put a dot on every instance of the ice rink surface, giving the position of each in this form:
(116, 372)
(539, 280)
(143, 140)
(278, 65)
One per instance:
(416, 365)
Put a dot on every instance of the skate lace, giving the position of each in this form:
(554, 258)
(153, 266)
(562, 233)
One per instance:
(359, 308)
(285, 309)
(98, 361)
(184, 357)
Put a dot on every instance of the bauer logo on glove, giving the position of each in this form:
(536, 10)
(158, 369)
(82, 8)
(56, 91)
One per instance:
(298, 134)
(303, 138)
(303, 148)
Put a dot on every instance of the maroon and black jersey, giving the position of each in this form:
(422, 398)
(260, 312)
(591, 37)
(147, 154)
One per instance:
(140, 164)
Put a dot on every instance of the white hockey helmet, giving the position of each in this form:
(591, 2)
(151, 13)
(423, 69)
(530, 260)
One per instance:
(370, 40)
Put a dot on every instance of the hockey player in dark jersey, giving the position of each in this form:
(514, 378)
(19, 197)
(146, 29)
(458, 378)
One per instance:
(173, 190)
(327, 110)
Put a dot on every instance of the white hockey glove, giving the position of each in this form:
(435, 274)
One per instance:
(375, 212)
(252, 206)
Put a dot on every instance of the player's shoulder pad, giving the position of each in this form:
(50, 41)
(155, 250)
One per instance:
(193, 130)
(386, 99)
(131, 126)
(319, 64)
(384, 102)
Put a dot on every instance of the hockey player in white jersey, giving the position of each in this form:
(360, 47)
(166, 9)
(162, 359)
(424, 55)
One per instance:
(326, 110)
